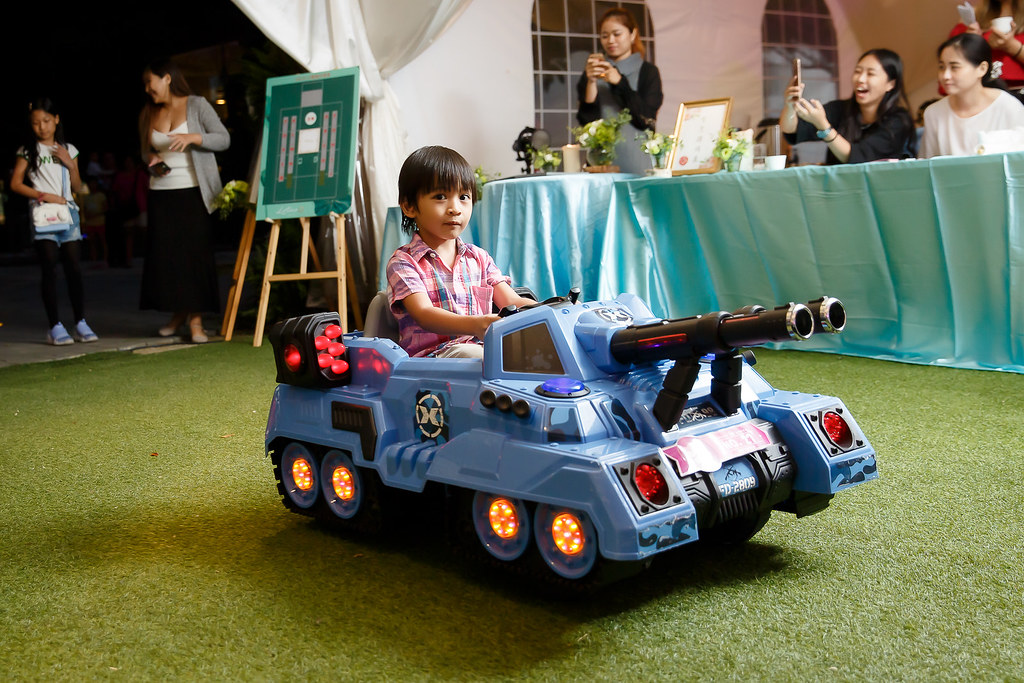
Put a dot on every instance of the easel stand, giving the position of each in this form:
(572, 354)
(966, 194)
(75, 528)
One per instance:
(343, 274)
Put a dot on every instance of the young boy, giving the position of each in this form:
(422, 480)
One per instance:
(440, 288)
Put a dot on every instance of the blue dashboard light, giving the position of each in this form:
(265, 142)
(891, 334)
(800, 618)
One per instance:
(563, 387)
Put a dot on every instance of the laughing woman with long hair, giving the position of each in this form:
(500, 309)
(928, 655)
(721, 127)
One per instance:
(874, 123)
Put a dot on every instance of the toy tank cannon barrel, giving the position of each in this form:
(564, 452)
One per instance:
(686, 340)
(712, 333)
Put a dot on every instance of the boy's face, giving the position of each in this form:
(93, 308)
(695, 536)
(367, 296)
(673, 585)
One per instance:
(441, 215)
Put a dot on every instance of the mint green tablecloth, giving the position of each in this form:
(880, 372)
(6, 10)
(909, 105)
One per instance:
(928, 256)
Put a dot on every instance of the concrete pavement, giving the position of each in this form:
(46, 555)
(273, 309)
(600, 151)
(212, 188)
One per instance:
(111, 309)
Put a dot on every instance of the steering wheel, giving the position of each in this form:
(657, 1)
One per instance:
(571, 298)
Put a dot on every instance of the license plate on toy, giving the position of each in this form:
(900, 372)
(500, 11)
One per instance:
(735, 476)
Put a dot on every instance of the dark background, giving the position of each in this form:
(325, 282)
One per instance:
(89, 58)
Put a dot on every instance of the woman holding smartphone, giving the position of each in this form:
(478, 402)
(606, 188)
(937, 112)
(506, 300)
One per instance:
(621, 80)
(874, 123)
(179, 133)
(1007, 45)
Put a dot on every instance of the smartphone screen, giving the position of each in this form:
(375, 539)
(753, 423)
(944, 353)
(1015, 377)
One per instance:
(796, 71)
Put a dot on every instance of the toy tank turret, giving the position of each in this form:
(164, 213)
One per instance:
(591, 433)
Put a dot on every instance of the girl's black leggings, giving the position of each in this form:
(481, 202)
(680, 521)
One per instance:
(69, 256)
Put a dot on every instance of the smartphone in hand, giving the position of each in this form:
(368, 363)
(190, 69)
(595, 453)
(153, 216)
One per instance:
(797, 75)
(966, 14)
(159, 169)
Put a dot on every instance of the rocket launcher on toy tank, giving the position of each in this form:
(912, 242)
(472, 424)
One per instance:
(686, 340)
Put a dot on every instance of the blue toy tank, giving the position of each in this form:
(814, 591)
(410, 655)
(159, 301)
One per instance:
(590, 435)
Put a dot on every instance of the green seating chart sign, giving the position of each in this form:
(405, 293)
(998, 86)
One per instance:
(308, 154)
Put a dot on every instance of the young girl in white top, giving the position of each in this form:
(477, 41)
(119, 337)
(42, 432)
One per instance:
(974, 101)
(46, 171)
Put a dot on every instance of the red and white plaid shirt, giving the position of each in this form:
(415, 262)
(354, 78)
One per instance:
(465, 288)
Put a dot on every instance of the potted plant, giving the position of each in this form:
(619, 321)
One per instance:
(731, 148)
(599, 139)
(658, 147)
(545, 159)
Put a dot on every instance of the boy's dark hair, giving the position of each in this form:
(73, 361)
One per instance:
(432, 168)
(31, 146)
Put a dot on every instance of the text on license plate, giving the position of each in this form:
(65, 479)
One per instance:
(735, 476)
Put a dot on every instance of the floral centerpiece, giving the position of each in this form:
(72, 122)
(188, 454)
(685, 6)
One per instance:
(656, 145)
(731, 148)
(600, 137)
(545, 159)
(482, 178)
(235, 195)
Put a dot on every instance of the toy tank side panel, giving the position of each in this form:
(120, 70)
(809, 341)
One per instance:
(324, 418)
(490, 462)
(821, 466)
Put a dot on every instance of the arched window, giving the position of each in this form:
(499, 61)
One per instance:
(564, 32)
(798, 28)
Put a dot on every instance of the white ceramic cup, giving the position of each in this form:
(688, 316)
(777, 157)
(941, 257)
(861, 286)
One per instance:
(775, 162)
(1002, 24)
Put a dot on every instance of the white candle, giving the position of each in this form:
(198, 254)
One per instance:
(571, 158)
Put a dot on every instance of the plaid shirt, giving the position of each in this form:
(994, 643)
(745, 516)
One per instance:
(416, 267)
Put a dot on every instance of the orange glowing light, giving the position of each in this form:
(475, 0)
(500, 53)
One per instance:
(567, 533)
(302, 474)
(503, 518)
(344, 486)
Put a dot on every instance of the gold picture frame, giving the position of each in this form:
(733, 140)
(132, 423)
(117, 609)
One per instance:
(698, 127)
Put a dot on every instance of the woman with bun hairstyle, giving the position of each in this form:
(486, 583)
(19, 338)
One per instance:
(874, 123)
(975, 100)
(621, 79)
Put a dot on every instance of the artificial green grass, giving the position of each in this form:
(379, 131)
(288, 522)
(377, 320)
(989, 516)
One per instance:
(142, 538)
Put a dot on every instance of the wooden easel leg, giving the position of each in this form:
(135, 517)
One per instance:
(227, 327)
(261, 317)
(341, 259)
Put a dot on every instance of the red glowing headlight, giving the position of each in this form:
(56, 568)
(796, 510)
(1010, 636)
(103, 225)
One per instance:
(651, 484)
(837, 429)
(292, 357)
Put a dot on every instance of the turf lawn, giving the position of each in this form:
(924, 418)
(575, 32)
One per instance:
(142, 538)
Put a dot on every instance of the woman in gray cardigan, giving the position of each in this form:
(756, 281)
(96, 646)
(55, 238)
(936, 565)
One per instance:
(179, 133)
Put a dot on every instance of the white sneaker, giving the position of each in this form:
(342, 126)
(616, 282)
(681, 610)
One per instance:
(83, 333)
(58, 336)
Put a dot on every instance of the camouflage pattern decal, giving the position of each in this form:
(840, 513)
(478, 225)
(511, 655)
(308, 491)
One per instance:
(853, 471)
(667, 534)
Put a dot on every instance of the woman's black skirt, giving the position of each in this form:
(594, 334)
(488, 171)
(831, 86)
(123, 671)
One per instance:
(179, 273)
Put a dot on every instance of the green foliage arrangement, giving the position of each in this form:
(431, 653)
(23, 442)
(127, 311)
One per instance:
(600, 137)
(546, 159)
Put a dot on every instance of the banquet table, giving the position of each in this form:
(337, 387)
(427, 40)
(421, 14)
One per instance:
(927, 255)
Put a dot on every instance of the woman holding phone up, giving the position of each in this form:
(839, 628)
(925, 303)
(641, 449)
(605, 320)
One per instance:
(874, 123)
(179, 133)
(1007, 45)
(622, 80)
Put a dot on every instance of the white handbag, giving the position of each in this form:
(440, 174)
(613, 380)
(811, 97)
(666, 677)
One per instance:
(51, 217)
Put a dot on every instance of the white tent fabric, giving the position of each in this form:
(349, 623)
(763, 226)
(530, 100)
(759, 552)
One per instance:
(378, 37)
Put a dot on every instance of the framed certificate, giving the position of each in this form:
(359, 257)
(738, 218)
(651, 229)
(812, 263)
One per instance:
(698, 127)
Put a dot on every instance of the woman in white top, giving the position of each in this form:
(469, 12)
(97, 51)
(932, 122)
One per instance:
(180, 133)
(974, 102)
